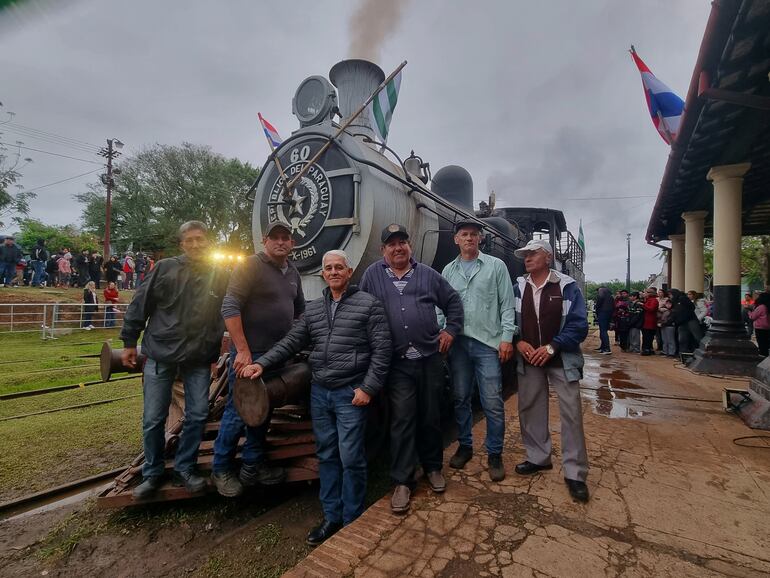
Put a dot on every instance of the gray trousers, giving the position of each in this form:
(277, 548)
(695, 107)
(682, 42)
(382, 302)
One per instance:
(533, 417)
(634, 340)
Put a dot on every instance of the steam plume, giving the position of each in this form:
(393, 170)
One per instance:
(371, 24)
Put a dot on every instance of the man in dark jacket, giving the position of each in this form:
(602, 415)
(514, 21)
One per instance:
(605, 307)
(263, 298)
(178, 308)
(411, 292)
(82, 262)
(95, 268)
(10, 256)
(348, 335)
(38, 260)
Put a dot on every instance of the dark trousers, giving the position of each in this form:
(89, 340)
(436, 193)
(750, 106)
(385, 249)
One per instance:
(604, 324)
(647, 337)
(623, 337)
(763, 340)
(415, 390)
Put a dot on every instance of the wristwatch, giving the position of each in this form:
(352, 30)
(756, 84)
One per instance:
(550, 350)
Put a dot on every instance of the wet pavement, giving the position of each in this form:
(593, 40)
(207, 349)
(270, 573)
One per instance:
(671, 494)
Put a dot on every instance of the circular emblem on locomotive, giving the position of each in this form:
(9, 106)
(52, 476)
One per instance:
(307, 209)
(321, 209)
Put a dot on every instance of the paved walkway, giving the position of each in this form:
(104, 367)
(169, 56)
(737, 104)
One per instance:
(672, 495)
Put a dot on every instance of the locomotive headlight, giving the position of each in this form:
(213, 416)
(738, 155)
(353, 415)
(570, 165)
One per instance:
(314, 100)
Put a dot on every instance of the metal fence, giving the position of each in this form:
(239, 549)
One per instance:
(50, 319)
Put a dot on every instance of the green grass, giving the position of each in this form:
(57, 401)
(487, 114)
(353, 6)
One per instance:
(51, 449)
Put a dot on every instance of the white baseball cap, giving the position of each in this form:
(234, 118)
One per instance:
(534, 245)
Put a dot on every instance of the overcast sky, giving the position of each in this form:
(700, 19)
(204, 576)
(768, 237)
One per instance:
(540, 101)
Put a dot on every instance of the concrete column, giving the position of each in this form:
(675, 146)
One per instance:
(693, 250)
(726, 348)
(677, 262)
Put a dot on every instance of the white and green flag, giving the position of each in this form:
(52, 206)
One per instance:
(383, 105)
(581, 239)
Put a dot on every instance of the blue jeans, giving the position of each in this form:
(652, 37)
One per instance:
(339, 428)
(231, 429)
(470, 358)
(604, 325)
(109, 316)
(7, 273)
(38, 267)
(158, 382)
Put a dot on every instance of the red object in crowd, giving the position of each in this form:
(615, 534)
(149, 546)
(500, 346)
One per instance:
(650, 313)
(111, 295)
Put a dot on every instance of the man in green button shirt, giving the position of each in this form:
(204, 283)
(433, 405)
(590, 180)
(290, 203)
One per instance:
(485, 286)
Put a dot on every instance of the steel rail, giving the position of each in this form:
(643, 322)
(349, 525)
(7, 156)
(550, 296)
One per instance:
(34, 392)
(32, 501)
(78, 406)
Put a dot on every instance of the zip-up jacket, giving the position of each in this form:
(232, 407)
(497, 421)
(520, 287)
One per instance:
(351, 347)
(573, 327)
(179, 302)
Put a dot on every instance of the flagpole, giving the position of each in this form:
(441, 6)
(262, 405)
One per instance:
(345, 125)
(287, 190)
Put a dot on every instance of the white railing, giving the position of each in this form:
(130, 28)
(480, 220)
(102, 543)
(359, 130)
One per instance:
(51, 318)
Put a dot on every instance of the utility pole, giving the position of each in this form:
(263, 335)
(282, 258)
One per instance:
(628, 262)
(111, 152)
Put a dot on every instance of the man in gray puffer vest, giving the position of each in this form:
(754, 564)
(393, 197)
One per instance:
(350, 350)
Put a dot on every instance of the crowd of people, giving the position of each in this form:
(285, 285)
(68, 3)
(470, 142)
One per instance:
(381, 338)
(41, 267)
(669, 322)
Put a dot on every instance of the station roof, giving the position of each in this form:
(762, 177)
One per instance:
(726, 120)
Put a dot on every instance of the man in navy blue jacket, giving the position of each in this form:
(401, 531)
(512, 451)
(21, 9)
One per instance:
(552, 321)
(410, 292)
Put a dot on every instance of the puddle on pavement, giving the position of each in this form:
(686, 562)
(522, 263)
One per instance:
(610, 399)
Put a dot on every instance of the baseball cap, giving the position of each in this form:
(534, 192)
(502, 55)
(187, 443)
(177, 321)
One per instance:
(275, 225)
(534, 245)
(393, 229)
(467, 223)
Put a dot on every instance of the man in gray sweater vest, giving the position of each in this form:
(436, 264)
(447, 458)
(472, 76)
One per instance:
(410, 292)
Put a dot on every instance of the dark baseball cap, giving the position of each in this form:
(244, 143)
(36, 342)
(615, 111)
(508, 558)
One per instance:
(467, 223)
(276, 225)
(394, 229)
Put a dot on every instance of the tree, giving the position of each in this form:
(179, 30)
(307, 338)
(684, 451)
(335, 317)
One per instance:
(164, 186)
(592, 287)
(56, 237)
(755, 259)
(11, 164)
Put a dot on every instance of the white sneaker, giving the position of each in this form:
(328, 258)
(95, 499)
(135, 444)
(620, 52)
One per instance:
(91, 327)
(88, 328)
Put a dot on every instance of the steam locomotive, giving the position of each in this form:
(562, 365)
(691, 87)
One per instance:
(358, 186)
(343, 201)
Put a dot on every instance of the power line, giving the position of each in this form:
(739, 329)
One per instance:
(50, 134)
(609, 198)
(49, 140)
(50, 153)
(62, 181)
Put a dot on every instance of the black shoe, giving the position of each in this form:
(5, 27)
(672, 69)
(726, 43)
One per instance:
(253, 474)
(462, 456)
(528, 468)
(148, 487)
(577, 489)
(192, 482)
(496, 469)
(322, 532)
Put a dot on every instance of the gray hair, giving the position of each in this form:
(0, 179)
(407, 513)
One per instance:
(190, 226)
(337, 253)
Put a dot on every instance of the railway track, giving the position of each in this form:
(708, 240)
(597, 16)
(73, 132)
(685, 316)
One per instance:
(58, 496)
(34, 392)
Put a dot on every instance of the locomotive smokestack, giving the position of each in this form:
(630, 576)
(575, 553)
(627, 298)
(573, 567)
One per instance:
(356, 80)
